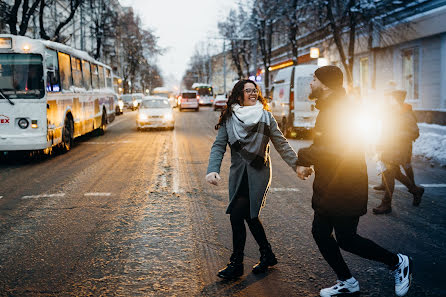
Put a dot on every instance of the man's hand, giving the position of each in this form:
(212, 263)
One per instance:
(213, 178)
(304, 172)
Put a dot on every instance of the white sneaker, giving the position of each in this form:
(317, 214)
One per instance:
(403, 275)
(349, 286)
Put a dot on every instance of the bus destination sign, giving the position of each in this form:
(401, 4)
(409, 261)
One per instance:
(5, 42)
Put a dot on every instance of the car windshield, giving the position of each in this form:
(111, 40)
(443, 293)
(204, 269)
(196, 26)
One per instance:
(21, 76)
(155, 103)
(189, 95)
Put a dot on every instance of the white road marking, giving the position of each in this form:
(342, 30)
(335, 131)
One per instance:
(44, 196)
(97, 194)
(284, 189)
(1, 197)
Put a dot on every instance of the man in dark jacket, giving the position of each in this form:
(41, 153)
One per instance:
(340, 188)
(401, 130)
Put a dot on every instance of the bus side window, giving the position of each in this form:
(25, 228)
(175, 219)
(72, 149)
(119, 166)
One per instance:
(101, 77)
(77, 72)
(86, 74)
(52, 71)
(94, 76)
(108, 78)
(65, 70)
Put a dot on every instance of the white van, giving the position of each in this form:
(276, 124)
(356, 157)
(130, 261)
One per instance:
(290, 105)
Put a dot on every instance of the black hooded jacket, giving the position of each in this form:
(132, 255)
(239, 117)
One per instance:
(340, 186)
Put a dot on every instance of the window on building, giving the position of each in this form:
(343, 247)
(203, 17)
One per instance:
(108, 78)
(86, 74)
(76, 70)
(101, 77)
(65, 70)
(94, 76)
(52, 71)
(410, 72)
(364, 75)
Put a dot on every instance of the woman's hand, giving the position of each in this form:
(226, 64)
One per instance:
(213, 178)
(304, 172)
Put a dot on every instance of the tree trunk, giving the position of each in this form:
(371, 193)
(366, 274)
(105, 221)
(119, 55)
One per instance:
(338, 40)
(12, 19)
(26, 15)
(74, 7)
(43, 34)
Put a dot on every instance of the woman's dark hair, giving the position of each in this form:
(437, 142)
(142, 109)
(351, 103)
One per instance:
(236, 97)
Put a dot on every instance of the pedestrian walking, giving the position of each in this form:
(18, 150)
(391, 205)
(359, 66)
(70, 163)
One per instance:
(340, 187)
(247, 126)
(400, 131)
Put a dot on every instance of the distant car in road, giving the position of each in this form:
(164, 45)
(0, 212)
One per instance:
(220, 102)
(155, 112)
(129, 102)
(138, 98)
(119, 106)
(189, 100)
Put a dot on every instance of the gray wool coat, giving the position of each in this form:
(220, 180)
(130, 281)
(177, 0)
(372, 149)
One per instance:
(259, 178)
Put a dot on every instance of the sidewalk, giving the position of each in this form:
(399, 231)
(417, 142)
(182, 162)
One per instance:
(432, 143)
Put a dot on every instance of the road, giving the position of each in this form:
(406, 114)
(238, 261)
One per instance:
(129, 214)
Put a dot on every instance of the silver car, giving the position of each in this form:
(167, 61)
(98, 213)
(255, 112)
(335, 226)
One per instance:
(155, 112)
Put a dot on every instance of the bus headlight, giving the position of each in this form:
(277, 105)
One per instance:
(121, 104)
(23, 123)
(135, 103)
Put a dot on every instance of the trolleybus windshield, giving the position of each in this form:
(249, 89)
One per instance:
(21, 76)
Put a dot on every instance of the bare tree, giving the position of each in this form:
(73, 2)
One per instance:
(10, 14)
(296, 18)
(104, 20)
(265, 17)
(56, 36)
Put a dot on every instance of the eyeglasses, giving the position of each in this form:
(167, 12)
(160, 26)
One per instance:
(251, 91)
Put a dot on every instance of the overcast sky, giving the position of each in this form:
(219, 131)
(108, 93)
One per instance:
(180, 26)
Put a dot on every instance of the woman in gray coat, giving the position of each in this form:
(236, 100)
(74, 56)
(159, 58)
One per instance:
(247, 126)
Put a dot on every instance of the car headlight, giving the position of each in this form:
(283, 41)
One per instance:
(121, 104)
(143, 117)
(168, 117)
(135, 103)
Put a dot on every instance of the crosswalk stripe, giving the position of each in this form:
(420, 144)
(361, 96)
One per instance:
(97, 194)
(284, 190)
(43, 196)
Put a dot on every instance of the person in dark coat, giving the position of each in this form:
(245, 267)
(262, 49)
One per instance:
(340, 188)
(401, 130)
(247, 126)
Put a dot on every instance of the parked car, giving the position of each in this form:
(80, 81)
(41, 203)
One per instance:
(294, 112)
(119, 106)
(220, 102)
(189, 100)
(155, 112)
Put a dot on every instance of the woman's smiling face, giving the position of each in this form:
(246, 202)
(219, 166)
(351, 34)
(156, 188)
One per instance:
(250, 94)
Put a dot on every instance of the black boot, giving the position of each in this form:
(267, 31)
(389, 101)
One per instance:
(267, 258)
(234, 269)
(417, 196)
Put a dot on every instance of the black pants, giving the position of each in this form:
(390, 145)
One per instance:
(347, 239)
(239, 214)
(394, 172)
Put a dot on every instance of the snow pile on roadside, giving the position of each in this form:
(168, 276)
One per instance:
(431, 145)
